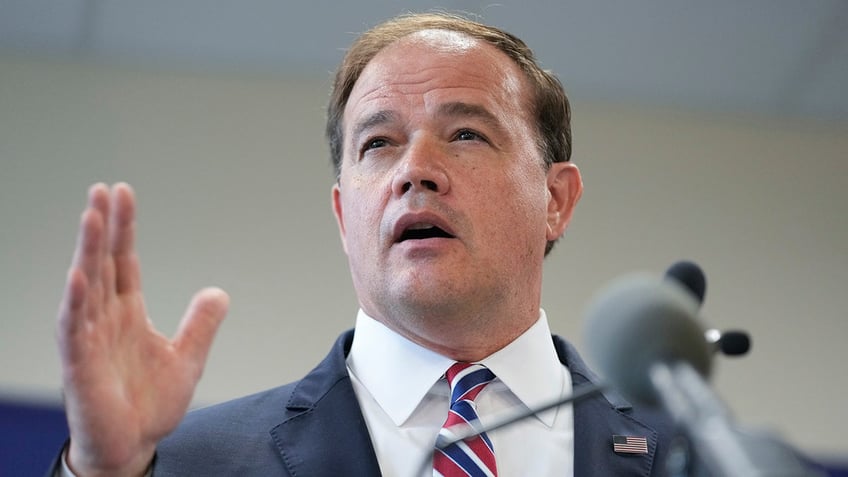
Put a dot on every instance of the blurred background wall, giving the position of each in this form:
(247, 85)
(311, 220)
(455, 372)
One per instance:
(218, 126)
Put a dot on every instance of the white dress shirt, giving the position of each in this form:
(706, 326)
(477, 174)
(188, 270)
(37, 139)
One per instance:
(405, 400)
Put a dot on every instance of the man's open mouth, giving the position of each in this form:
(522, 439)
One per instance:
(423, 231)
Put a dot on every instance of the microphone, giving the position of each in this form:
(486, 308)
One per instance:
(729, 342)
(691, 277)
(644, 336)
(638, 321)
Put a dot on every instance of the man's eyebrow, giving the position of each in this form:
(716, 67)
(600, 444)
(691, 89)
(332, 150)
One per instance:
(451, 109)
(469, 110)
(375, 119)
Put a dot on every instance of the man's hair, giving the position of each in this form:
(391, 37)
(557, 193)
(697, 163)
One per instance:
(549, 104)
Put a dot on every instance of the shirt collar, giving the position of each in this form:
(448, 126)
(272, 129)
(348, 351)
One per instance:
(530, 368)
(382, 359)
(397, 372)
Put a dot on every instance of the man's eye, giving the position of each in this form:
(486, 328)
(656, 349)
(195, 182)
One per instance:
(374, 144)
(468, 135)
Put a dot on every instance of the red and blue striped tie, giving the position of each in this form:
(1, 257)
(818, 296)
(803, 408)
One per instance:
(475, 456)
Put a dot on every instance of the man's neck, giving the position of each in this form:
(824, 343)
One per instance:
(469, 337)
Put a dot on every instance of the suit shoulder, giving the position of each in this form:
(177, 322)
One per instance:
(216, 436)
(259, 409)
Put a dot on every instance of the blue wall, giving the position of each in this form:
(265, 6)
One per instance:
(30, 437)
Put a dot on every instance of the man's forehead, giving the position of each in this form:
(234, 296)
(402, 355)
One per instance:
(473, 63)
(396, 62)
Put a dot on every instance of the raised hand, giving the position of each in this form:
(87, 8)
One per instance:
(126, 386)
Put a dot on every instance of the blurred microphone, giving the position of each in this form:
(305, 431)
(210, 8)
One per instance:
(645, 338)
(639, 321)
(729, 342)
(691, 277)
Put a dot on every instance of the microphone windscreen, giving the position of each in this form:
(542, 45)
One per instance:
(637, 321)
(734, 343)
(690, 276)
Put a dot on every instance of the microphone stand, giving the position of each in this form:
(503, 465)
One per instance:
(723, 449)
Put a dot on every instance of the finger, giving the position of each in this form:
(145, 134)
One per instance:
(199, 325)
(90, 241)
(122, 240)
(88, 254)
(85, 266)
(72, 307)
(99, 276)
(98, 201)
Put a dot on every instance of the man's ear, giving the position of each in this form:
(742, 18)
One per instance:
(337, 211)
(564, 190)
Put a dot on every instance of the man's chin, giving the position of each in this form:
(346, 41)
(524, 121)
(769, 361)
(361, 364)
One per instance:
(432, 301)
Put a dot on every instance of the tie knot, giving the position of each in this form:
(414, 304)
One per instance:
(467, 380)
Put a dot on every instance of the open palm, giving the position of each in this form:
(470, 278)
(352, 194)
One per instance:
(126, 385)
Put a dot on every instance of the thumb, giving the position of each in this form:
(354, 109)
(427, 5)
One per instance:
(199, 324)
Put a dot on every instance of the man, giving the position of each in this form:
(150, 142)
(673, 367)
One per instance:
(451, 149)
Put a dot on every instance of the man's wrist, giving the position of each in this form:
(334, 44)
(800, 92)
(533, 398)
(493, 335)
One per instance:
(64, 470)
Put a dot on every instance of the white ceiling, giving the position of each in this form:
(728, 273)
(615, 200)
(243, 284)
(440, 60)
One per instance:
(775, 57)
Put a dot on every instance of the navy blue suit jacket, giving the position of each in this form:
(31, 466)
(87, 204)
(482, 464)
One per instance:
(314, 427)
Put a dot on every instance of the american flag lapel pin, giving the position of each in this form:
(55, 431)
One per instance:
(629, 444)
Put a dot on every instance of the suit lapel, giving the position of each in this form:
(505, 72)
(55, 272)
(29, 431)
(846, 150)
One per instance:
(324, 433)
(596, 420)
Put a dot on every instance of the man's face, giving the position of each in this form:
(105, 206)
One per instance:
(443, 202)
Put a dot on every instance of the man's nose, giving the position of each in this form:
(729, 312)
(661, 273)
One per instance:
(422, 169)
